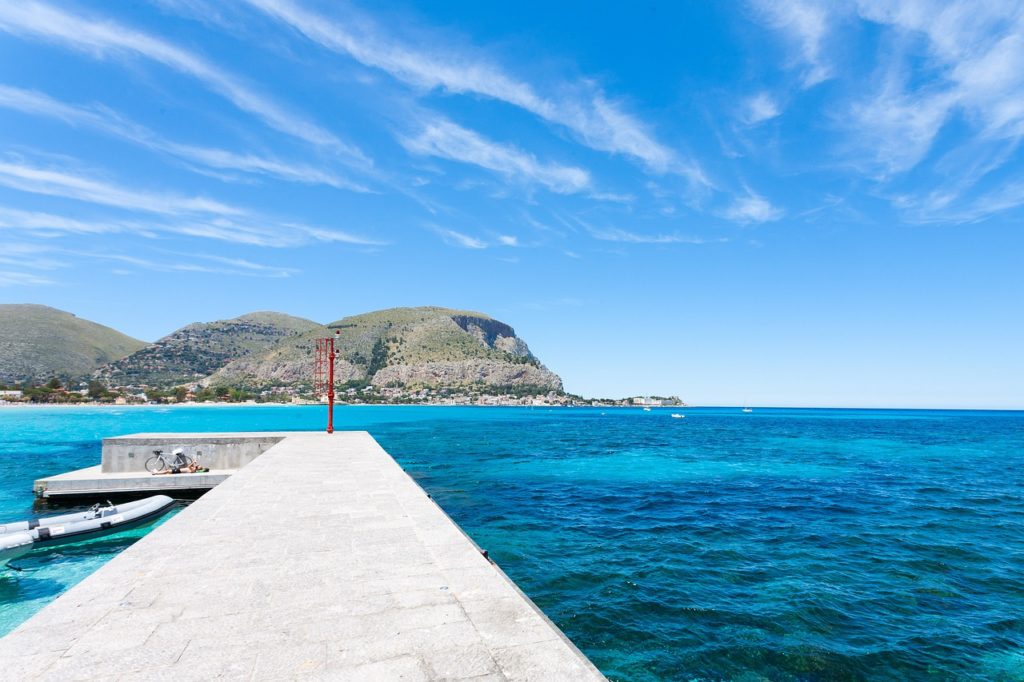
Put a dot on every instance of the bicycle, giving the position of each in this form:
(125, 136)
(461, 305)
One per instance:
(161, 462)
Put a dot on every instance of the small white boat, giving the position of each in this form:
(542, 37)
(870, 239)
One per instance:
(647, 409)
(13, 545)
(748, 409)
(678, 416)
(18, 538)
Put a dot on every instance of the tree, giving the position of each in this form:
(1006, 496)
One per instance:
(378, 358)
(97, 390)
(53, 384)
(180, 394)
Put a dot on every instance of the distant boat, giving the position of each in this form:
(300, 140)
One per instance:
(647, 409)
(748, 409)
(678, 416)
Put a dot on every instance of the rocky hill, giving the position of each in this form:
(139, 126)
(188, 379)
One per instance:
(38, 343)
(397, 348)
(193, 353)
(403, 347)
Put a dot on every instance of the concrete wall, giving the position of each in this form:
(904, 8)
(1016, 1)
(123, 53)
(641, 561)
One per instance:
(216, 451)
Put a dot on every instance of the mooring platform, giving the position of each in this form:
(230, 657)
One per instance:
(321, 558)
(122, 468)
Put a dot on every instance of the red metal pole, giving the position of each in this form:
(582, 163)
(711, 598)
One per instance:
(330, 385)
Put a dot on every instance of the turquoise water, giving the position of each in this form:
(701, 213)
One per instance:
(781, 545)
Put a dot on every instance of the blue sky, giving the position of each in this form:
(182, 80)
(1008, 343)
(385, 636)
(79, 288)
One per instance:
(780, 203)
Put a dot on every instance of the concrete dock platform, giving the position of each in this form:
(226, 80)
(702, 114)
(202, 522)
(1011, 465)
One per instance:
(320, 559)
(93, 482)
(122, 468)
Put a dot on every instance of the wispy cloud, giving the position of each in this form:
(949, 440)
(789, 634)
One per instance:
(213, 265)
(752, 208)
(759, 108)
(40, 257)
(448, 140)
(45, 224)
(959, 61)
(57, 183)
(9, 278)
(101, 118)
(583, 108)
(459, 239)
(806, 23)
(31, 256)
(613, 197)
(106, 37)
(614, 234)
(192, 216)
(508, 240)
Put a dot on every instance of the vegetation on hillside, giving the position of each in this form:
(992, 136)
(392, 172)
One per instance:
(271, 354)
(38, 342)
(198, 350)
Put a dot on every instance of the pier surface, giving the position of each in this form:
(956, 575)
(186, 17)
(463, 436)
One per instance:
(319, 559)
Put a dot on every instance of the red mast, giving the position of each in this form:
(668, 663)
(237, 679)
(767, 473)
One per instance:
(323, 374)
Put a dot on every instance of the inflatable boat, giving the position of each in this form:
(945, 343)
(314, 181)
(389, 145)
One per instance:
(13, 545)
(20, 537)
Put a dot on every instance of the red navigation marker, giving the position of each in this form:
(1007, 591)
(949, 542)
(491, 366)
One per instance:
(323, 374)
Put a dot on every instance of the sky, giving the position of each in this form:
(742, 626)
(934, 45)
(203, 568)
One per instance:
(767, 202)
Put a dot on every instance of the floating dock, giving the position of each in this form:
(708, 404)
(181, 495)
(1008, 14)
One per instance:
(319, 559)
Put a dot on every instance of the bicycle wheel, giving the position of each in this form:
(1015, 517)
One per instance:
(185, 461)
(155, 464)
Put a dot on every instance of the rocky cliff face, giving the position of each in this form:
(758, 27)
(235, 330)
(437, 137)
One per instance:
(194, 352)
(404, 347)
(466, 373)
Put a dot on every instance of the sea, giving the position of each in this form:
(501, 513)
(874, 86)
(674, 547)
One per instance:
(782, 544)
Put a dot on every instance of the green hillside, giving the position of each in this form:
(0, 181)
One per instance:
(194, 352)
(406, 347)
(38, 343)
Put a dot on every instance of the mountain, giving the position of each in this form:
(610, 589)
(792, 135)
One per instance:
(403, 347)
(395, 348)
(38, 343)
(192, 353)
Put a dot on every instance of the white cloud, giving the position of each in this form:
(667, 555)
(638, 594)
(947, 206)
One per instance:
(508, 240)
(192, 216)
(613, 197)
(221, 266)
(759, 108)
(57, 183)
(47, 223)
(583, 108)
(806, 23)
(448, 140)
(937, 62)
(103, 38)
(460, 239)
(615, 234)
(752, 209)
(29, 256)
(9, 278)
(895, 128)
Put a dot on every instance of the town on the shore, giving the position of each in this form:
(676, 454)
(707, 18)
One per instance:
(351, 393)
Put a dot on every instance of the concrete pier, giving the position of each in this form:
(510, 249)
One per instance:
(320, 559)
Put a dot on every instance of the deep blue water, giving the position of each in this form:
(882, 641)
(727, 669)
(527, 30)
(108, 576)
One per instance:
(781, 545)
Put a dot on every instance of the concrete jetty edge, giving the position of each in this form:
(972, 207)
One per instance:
(319, 559)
